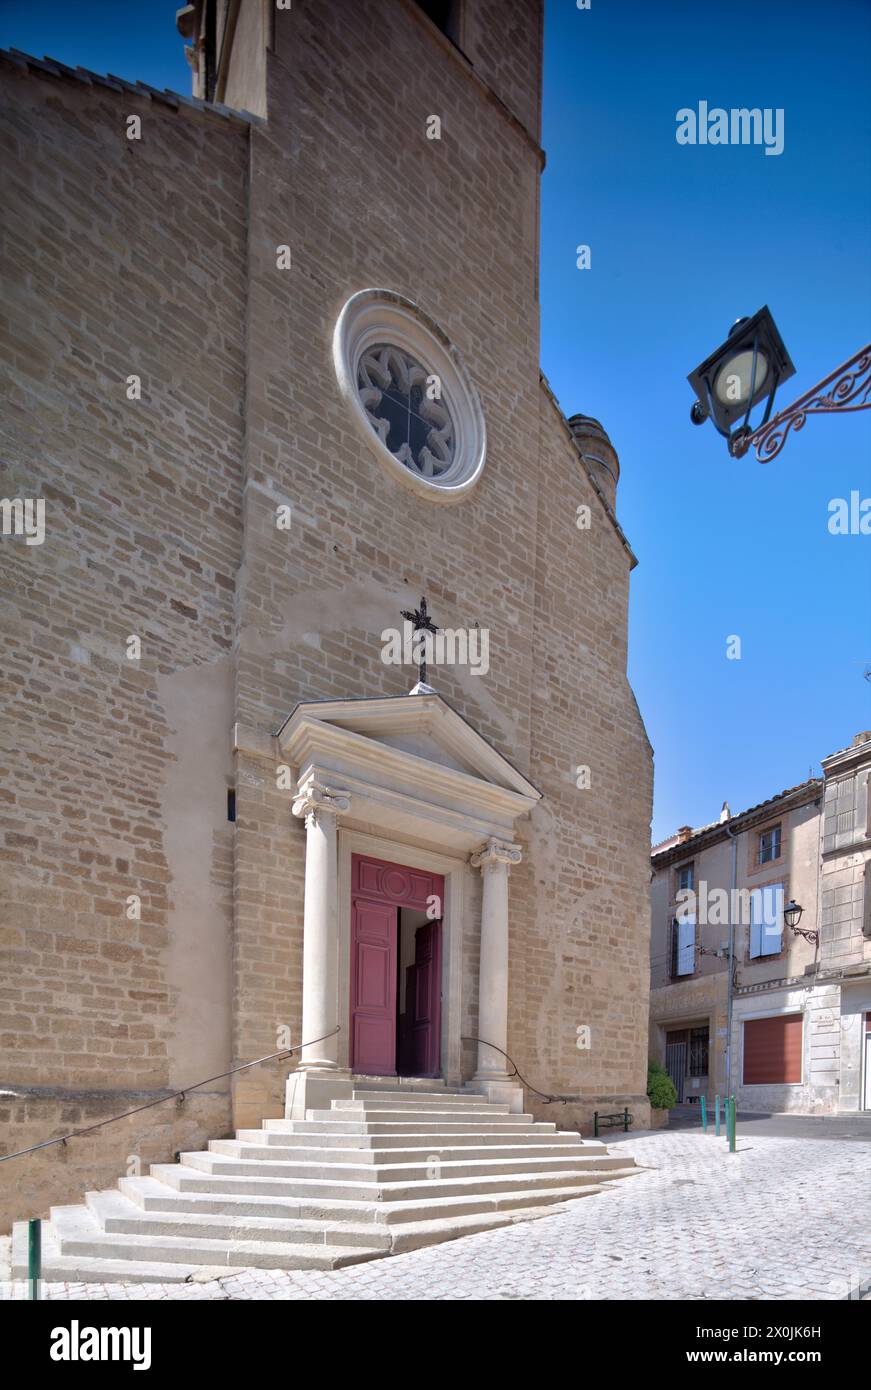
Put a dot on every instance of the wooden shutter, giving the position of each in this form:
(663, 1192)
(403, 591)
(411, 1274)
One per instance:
(766, 920)
(772, 1050)
(686, 954)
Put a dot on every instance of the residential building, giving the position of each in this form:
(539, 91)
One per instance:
(749, 997)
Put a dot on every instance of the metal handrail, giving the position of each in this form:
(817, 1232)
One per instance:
(546, 1096)
(173, 1095)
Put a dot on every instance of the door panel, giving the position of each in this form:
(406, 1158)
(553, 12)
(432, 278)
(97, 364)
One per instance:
(373, 987)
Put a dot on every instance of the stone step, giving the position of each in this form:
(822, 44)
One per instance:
(506, 1125)
(117, 1214)
(355, 1182)
(417, 1100)
(189, 1178)
(324, 1142)
(399, 1213)
(396, 1170)
(57, 1268)
(387, 1110)
(78, 1235)
(361, 1082)
(420, 1153)
(77, 1248)
(154, 1196)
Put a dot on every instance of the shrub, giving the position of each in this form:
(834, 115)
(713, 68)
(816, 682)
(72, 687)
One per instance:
(660, 1087)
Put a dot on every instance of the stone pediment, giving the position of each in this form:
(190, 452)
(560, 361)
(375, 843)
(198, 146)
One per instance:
(413, 756)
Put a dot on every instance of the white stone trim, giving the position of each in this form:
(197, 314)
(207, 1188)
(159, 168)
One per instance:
(494, 859)
(313, 796)
(404, 794)
(424, 713)
(496, 852)
(378, 316)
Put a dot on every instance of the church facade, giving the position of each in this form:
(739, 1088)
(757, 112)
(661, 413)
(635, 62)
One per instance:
(274, 365)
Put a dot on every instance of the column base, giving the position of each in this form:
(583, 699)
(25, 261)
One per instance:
(498, 1091)
(315, 1090)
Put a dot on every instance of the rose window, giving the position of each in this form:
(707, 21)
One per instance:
(403, 404)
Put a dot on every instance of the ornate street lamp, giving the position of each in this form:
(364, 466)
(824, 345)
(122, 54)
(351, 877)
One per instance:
(743, 370)
(748, 368)
(792, 913)
(792, 916)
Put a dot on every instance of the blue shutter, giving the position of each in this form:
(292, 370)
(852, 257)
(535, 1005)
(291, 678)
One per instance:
(686, 953)
(766, 920)
(772, 927)
(755, 923)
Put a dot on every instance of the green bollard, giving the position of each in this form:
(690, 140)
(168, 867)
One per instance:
(34, 1258)
(732, 1133)
(704, 1105)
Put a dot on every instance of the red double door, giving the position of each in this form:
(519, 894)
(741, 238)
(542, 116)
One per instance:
(396, 954)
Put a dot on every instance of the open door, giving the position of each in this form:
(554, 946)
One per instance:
(423, 997)
(395, 984)
(373, 988)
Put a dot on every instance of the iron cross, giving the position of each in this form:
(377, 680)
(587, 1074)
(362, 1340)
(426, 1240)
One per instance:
(421, 622)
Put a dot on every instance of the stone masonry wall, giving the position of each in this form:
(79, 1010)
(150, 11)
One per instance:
(587, 943)
(128, 258)
(452, 225)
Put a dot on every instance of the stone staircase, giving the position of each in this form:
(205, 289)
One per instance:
(389, 1170)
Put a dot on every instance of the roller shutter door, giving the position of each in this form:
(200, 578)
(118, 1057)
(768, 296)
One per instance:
(772, 1050)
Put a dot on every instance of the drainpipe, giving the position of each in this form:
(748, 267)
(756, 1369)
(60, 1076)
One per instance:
(733, 836)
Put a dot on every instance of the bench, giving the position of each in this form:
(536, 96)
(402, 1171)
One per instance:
(611, 1121)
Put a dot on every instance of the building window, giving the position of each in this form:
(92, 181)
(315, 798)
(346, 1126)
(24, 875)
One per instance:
(683, 947)
(769, 845)
(699, 1051)
(410, 396)
(686, 877)
(396, 394)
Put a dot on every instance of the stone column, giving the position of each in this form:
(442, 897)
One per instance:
(493, 859)
(320, 805)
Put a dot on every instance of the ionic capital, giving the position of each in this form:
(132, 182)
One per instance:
(496, 852)
(314, 797)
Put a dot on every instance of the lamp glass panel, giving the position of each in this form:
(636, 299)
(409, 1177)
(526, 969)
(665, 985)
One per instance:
(732, 385)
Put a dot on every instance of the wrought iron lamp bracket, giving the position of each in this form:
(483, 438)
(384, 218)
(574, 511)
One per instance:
(848, 388)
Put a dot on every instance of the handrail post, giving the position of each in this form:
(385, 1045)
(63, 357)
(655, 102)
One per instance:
(34, 1258)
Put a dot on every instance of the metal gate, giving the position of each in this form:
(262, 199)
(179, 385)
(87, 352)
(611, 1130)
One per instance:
(676, 1066)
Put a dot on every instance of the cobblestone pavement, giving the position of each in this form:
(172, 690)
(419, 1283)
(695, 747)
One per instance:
(780, 1219)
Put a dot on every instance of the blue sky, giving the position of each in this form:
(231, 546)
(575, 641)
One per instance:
(684, 240)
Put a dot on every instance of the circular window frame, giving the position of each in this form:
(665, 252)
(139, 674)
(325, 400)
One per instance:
(381, 316)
